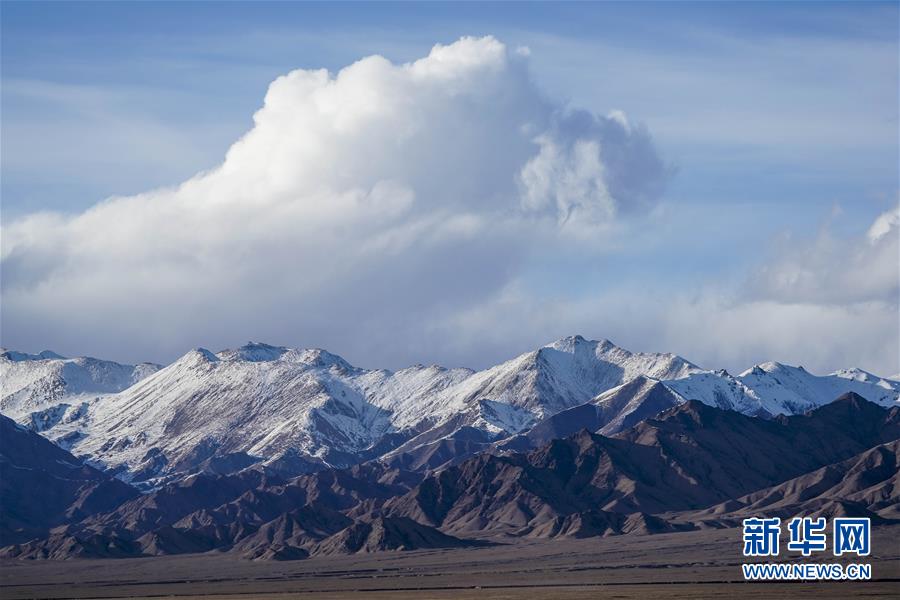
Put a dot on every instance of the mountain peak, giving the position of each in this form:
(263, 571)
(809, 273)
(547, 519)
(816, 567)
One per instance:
(571, 342)
(317, 357)
(766, 368)
(567, 344)
(16, 356)
(851, 401)
(198, 355)
(771, 366)
(857, 374)
(261, 352)
(692, 410)
(631, 388)
(254, 352)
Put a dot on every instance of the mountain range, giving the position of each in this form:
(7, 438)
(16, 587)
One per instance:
(275, 453)
(693, 466)
(300, 410)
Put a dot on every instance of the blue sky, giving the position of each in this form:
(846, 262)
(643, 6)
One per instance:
(778, 121)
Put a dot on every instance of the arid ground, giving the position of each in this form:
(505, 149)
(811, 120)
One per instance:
(703, 564)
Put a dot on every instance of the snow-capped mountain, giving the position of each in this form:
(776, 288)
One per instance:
(235, 408)
(302, 409)
(566, 373)
(296, 410)
(39, 389)
(773, 388)
(781, 386)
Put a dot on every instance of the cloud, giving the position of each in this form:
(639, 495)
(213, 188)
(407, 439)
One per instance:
(579, 181)
(359, 207)
(712, 327)
(836, 271)
(397, 213)
(826, 303)
(886, 224)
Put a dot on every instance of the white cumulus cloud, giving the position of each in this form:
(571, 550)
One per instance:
(361, 206)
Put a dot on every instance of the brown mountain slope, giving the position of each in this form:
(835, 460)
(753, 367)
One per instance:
(42, 485)
(207, 512)
(690, 457)
(292, 534)
(867, 484)
(387, 533)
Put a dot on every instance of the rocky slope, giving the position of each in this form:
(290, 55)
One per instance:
(684, 469)
(42, 486)
(865, 485)
(691, 456)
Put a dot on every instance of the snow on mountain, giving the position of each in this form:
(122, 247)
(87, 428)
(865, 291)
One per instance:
(719, 389)
(564, 374)
(773, 388)
(866, 377)
(30, 383)
(512, 397)
(416, 396)
(300, 409)
(626, 405)
(791, 390)
(256, 403)
(293, 409)
(296, 410)
(24, 356)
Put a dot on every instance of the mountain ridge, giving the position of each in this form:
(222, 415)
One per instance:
(300, 410)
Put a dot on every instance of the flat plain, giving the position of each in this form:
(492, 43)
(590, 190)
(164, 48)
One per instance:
(700, 564)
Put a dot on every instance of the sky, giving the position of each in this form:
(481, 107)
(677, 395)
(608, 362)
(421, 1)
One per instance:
(452, 183)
